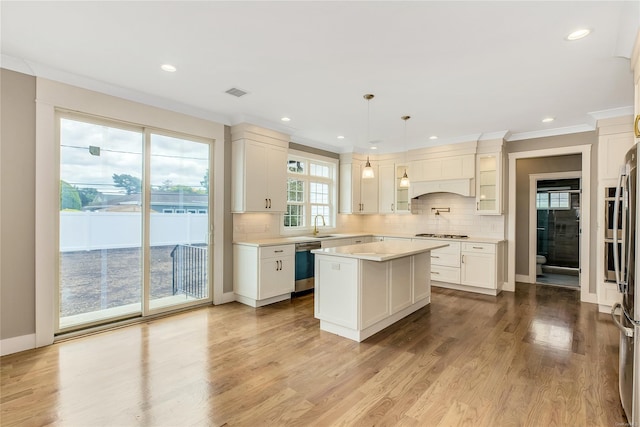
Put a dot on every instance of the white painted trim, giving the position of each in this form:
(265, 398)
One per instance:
(585, 242)
(17, 344)
(51, 95)
(551, 132)
(522, 278)
(533, 214)
(224, 298)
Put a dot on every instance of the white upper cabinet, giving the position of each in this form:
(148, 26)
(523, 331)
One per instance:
(358, 195)
(489, 184)
(443, 168)
(403, 202)
(387, 189)
(259, 169)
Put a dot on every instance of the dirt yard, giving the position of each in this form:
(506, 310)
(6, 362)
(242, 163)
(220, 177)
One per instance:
(94, 280)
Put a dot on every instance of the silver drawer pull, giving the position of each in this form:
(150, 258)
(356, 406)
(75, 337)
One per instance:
(434, 272)
(433, 256)
(478, 247)
(277, 252)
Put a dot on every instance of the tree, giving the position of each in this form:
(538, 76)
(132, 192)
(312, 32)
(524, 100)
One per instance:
(87, 195)
(131, 184)
(69, 197)
(205, 182)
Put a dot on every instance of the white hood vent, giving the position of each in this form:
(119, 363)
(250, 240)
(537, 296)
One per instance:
(464, 187)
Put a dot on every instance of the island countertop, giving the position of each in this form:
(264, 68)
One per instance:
(380, 251)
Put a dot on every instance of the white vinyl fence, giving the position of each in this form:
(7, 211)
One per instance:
(84, 231)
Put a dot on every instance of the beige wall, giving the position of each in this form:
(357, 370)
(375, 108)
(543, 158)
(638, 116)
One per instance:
(524, 167)
(17, 210)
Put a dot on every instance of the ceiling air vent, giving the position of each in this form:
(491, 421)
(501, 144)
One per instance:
(236, 92)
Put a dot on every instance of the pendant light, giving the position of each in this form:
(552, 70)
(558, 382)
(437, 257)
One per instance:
(367, 172)
(404, 181)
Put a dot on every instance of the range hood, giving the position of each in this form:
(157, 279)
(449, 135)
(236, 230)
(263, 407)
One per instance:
(463, 186)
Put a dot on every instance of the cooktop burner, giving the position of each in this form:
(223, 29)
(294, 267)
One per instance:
(443, 236)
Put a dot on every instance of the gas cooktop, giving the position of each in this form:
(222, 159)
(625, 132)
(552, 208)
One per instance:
(443, 236)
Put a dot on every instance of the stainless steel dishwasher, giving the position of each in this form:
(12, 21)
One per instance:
(305, 266)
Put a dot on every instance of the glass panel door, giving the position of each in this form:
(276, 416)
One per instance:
(178, 224)
(100, 231)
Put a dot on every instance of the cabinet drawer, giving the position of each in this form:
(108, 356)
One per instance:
(486, 248)
(453, 248)
(445, 274)
(277, 251)
(450, 260)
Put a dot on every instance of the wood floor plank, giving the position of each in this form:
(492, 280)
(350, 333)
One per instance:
(530, 358)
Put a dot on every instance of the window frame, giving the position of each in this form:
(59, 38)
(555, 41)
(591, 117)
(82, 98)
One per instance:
(332, 181)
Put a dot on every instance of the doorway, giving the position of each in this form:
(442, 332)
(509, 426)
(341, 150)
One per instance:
(555, 229)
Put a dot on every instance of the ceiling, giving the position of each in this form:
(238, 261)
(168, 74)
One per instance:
(462, 70)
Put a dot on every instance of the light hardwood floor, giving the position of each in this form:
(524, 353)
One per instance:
(535, 357)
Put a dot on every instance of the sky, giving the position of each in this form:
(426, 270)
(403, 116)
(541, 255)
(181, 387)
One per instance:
(180, 161)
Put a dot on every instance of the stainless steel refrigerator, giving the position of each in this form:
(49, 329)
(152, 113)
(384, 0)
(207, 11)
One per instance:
(627, 314)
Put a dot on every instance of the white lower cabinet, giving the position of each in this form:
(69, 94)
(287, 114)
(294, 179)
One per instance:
(468, 266)
(481, 266)
(263, 275)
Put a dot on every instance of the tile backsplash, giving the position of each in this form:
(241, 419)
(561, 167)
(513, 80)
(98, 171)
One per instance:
(461, 219)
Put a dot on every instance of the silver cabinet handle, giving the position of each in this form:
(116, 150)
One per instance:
(435, 272)
(433, 256)
(269, 203)
(478, 247)
(266, 203)
(279, 251)
(628, 332)
(391, 207)
(463, 259)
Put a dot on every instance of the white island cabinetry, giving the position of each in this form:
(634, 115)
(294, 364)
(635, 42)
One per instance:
(263, 275)
(362, 289)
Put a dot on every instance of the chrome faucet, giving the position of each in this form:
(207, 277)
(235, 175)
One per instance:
(315, 224)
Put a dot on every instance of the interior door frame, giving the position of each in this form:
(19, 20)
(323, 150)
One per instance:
(585, 150)
(533, 217)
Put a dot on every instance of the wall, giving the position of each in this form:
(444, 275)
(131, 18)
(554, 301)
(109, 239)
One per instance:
(17, 211)
(522, 191)
(460, 220)
(256, 226)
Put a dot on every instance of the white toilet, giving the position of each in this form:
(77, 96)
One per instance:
(540, 259)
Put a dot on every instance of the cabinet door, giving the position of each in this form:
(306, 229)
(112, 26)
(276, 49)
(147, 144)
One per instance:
(255, 172)
(488, 184)
(276, 160)
(276, 277)
(421, 273)
(477, 269)
(402, 202)
(386, 186)
(369, 193)
(356, 178)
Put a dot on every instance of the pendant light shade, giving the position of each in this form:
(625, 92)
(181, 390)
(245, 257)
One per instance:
(404, 181)
(367, 171)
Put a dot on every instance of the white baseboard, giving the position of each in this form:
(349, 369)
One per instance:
(17, 344)
(523, 278)
(225, 298)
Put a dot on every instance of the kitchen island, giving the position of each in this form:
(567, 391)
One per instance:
(362, 289)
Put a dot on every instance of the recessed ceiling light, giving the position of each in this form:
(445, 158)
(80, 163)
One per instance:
(548, 119)
(168, 68)
(433, 137)
(285, 119)
(578, 34)
(340, 137)
(374, 148)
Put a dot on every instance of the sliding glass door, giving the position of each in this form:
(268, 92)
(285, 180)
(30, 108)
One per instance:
(179, 212)
(133, 222)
